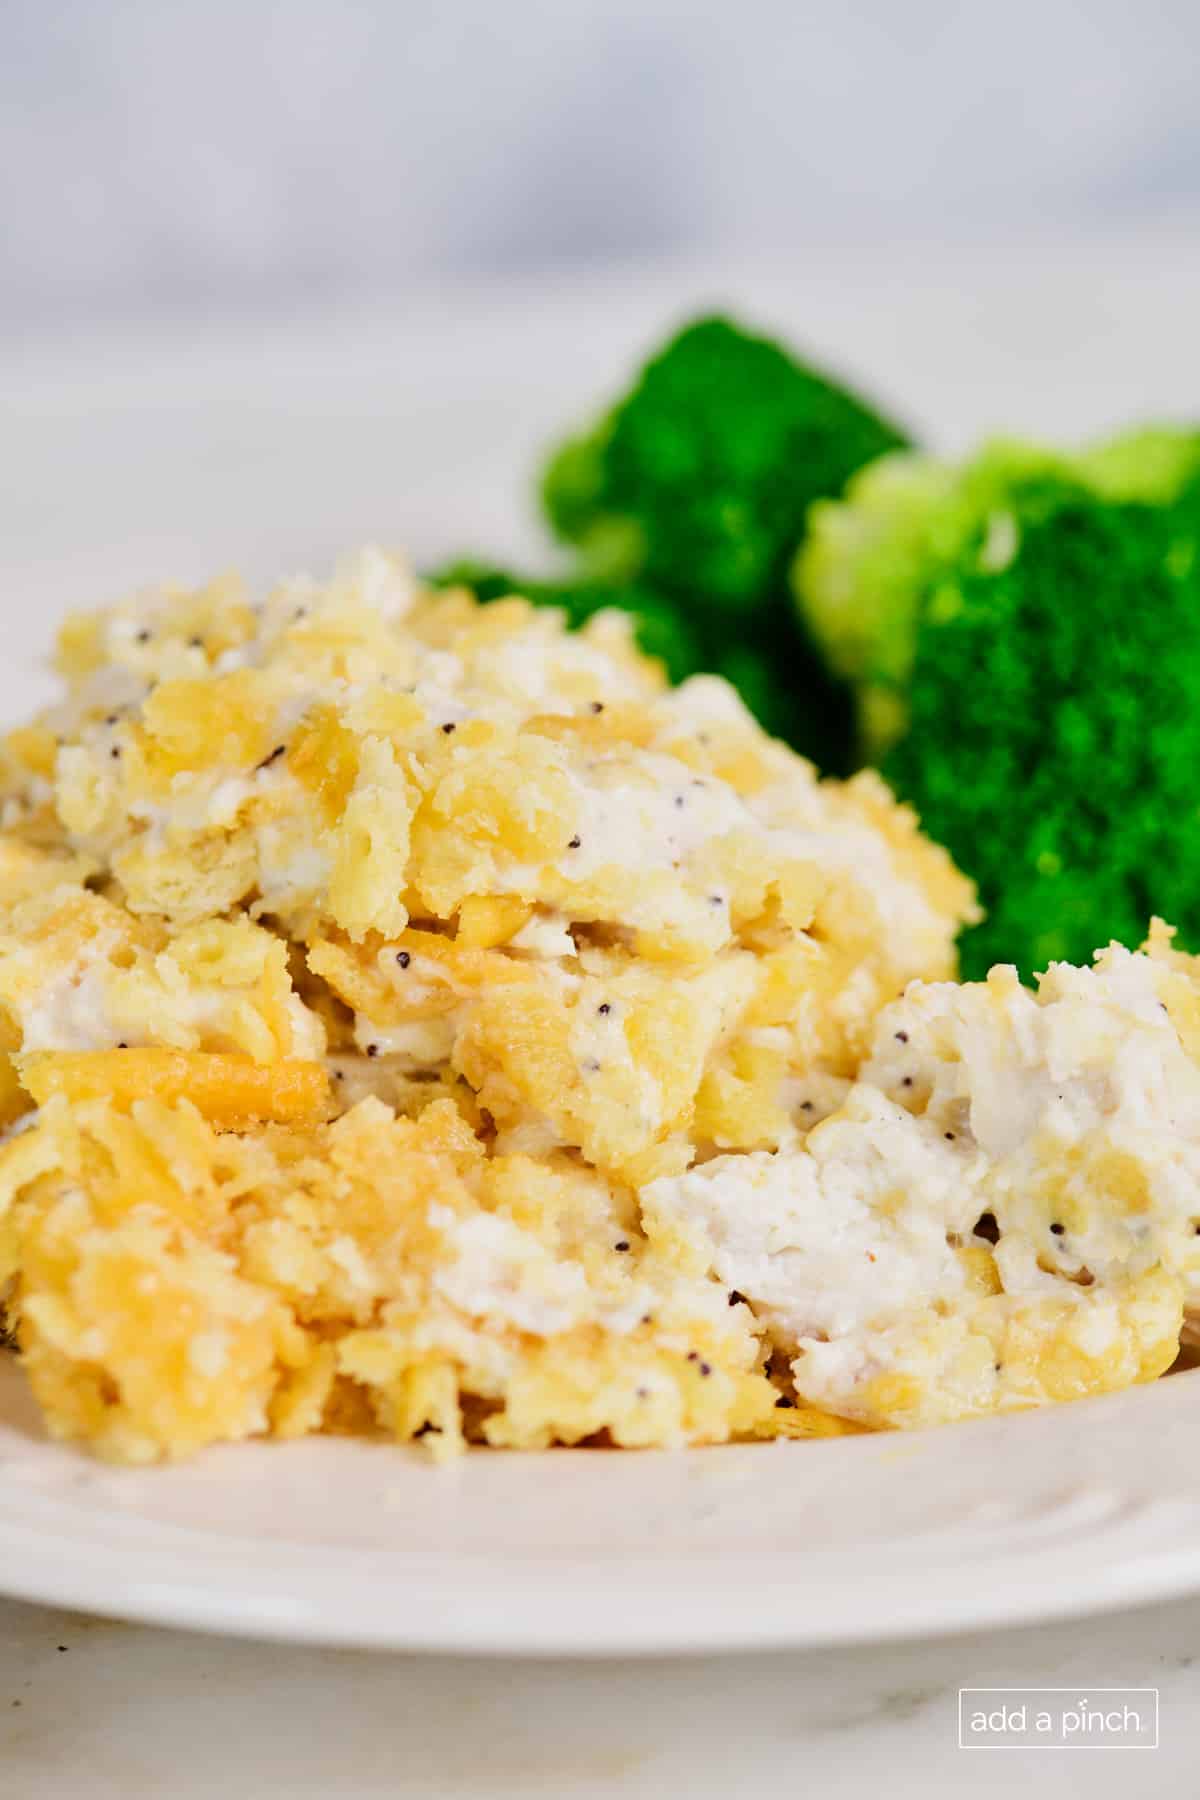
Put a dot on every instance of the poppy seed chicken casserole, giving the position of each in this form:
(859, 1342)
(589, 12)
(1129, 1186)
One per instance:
(419, 1018)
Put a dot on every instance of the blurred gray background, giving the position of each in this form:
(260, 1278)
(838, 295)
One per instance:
(279, 278)
(184, 156)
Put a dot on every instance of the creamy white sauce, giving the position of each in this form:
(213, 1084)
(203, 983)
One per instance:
(844, 1244)
(544, 936)
(499, 1272)
(836, 1238)
(1092, 1064)
(71, 1013)
(416, 1043)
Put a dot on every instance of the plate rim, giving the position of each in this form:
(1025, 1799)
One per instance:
(1073, 1552)
(168, 1595)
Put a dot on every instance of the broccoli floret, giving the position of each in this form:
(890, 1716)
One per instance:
(869, 560)
(695, 488)
(1154, 464)
(1053, 740)
(699, 480)
(572, 492)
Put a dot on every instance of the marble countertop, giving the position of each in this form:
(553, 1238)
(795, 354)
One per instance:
(95, 1710)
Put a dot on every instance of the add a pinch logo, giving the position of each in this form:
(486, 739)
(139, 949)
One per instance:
(1012, 1718)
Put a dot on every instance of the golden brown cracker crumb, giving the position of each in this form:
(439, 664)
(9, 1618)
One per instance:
(365, 952)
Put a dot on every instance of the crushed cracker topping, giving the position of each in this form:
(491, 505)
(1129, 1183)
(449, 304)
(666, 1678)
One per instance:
(386, 993)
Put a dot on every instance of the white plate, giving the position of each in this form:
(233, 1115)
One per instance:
(598, 1553)
(175, 453)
